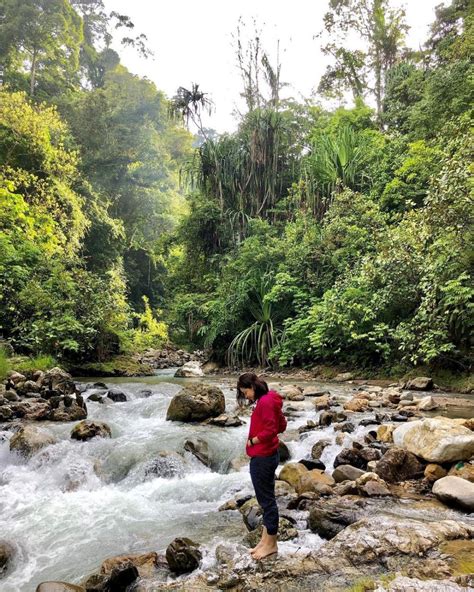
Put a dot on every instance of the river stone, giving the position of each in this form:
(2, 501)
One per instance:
(326, 418)
(371, 485)
(343, 377)
(436, 439)
(291, 473)
(63, 412)
(321, 403)
(455, 491)
(59, 587)
(116, 395)
(29, 439)
(226, 420)
(85, 430)
(350, 456)
(6, 413)
(312, 481)
(251, 513)
(385, 433)
(196, 402)
(328, 520)
(433, 472)
(292, 393)
(183, 555)
(11, 396)
(406, 584)
(398, 465)
(421, 383)
(16, 377)
(313, 391)
(346, 473)
(7, 554)
(318, 448)
(189, 370)
(357, 404)
(145, 563)
(463, 470)
(427, 404)
(199, 448)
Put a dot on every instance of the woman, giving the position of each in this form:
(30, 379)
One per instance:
(266, 423)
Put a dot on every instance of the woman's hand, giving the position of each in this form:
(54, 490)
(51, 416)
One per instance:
(253, 441)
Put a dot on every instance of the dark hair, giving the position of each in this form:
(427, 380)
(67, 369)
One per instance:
(251, 380)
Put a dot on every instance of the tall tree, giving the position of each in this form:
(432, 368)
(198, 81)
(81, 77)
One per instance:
(381, 31)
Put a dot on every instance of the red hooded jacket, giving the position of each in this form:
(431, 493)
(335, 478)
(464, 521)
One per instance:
(266, 423)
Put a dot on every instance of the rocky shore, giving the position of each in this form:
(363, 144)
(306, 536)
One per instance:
(399, 458)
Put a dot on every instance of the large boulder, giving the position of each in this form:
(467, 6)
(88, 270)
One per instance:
(455, 491)
(67, 409)
(421, 383)
(398, 465)
(437, 439)
(116, 395)
(350, 456)
(313, 481)
(183, 555)
(292, 393)
(189, 370)
(196, 402)
(145, 563)
(85, 430)
(29, 440)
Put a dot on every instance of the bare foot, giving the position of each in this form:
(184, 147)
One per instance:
(265, 551)
(259, 544)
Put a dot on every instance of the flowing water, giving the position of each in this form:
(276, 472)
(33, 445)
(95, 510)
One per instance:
(74, 504)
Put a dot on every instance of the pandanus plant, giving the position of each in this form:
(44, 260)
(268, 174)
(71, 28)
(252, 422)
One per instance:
(256, 341)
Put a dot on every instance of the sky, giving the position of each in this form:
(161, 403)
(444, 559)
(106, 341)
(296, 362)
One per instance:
(192, 41)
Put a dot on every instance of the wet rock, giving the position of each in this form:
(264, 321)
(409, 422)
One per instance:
(318, 448)
(292, 392)
(398, 465)
(226, 420)
(144, 393)
(357, 404)
(29, 440)
(291, 473)
(251, 513)
(406, 584)
(145, 563)
(11, 396)
(346, 473)
(190, 369)
(98, 385)
(282, 488)
(370, 454)
(436, 439)
(59, 587)
(368, 421)
(6, 413)
(371, 485)
(384, 433)
(63, 412)
(196, 402)
(313, 391)
(427, 404)
(399, 417)
(346, 428)
(313, 480)
(328, 520)
(85, 430)
(166, 465)
(284, 452)
(350, 456)
(434, 472)
(16, 377)
(199, 448)
(116, 395)
(463, 470)
(7, 554)
(421, 383)
(96, 398)
(183, 555)
(456, 492)
(321, 403)
(326, 418)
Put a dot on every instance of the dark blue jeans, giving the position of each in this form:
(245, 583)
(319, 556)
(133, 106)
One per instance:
(262, 473)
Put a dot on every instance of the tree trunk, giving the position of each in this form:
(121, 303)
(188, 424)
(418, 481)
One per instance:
(33, 73)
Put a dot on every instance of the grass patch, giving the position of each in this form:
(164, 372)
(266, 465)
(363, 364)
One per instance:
(118, 366)
(4, 364)
(24, 364)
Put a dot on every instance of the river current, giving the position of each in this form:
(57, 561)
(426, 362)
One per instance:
(73, 504)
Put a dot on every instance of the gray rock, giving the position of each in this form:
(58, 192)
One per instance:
(398, 465)
(199, 448)
(421, 383)
(29, 440)
(346, 473)
(86, 430)
(7, 554)
(189, 370)
(116, 395)
(455, 491)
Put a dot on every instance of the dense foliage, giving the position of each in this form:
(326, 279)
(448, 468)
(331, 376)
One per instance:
(308, 236)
